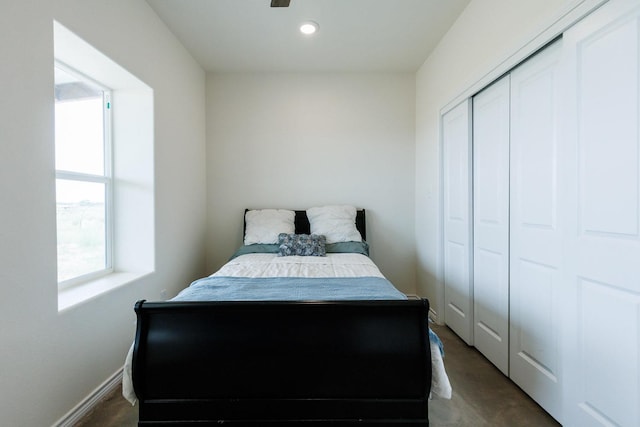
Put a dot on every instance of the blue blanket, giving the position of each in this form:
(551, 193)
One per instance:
(220, 288)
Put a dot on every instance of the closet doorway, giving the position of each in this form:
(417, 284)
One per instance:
(514, 257)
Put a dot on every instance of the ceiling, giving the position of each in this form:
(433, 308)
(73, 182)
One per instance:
(354, 35)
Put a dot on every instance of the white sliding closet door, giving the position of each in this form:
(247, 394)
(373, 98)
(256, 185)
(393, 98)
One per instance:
(458, 284)
(603, 243)
(536, 237)
(491, 222)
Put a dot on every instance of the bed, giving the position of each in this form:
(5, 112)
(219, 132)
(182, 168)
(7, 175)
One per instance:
(305, 338)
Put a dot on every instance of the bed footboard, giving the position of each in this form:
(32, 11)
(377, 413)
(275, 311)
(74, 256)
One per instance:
(282, 363)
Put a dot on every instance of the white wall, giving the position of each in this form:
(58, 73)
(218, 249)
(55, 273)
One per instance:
(50, 360)
(302, 140)
(485, 35)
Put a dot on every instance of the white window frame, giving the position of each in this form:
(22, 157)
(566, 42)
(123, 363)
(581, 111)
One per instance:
(106, 179)
(132, 248)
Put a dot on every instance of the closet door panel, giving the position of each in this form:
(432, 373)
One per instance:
(536, 239)
(603, 246)
(458, 286)
(491, 222)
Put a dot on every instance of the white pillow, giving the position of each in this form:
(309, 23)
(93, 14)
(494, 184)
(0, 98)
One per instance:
(337, 223)
(264, 225)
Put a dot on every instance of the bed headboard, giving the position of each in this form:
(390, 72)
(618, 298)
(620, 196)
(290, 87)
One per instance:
(303, 227)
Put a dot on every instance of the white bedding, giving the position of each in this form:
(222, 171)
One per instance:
(333, 265)
(271, 265)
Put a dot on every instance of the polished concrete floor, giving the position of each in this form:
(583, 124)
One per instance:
(482, 396)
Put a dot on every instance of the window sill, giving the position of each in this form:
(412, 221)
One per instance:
(86, 291)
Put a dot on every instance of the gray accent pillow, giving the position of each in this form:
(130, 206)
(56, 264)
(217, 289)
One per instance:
(301, 244)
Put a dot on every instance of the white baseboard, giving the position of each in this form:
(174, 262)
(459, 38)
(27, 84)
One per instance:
(72, 417)
(433, 316)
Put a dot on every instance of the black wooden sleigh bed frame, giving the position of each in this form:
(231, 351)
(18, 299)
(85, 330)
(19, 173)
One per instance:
(315, 363)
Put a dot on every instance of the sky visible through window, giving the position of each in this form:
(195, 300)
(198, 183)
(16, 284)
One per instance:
(79, 143)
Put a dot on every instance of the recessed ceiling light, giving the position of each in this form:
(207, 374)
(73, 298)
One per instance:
(309, 27)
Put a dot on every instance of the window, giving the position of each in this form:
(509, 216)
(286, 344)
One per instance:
(83, 176)
(104, 172)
